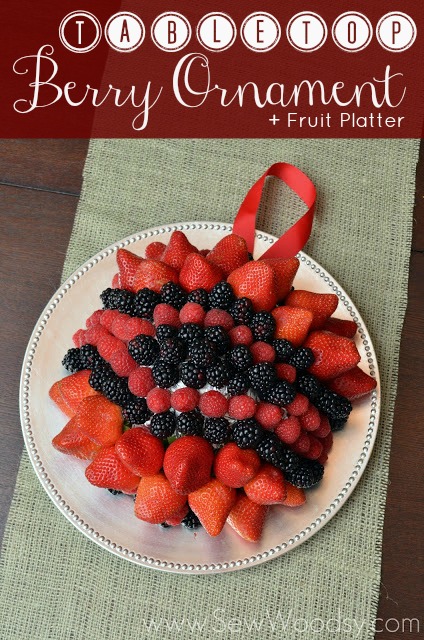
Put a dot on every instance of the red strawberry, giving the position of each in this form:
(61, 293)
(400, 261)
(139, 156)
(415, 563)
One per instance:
(295, 497)
(285, 270)
(229, 254)
(122, 363)
(262, 352)
(267, 487)
(100, 419)
(107, 471)
(288, 430)
(108, 345)
(73, 442)
(140, 381)
(298, 406)
(187, 464)
(94, 318)
(116, 281)
(241, 407)
(128, 264)
(219, 317)
(353, 384)
(153, 275)
(185, 399)
(140, 451)
(156, 500)
(178, 516)
(177, 250)
(192, 312)
(285, 372)
(234, 466)
(292, 323)
(70, 391)
(333, 354)
(268, 415)
(346, 328)
(241, 335)
(212, 503)
(159, 400)
(154, 250)
(198, 273)
(310, 420)
(321, 305)
(248, 518)
(213, 404)
(255, 280)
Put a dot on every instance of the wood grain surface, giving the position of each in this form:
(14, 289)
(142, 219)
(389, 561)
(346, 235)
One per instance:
(40, 181)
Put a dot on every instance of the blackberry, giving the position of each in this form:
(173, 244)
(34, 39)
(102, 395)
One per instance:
(336, 424)
(218, 374)
(119, 299)
(308, 474)
(263, 326)
(190, 423)
(309, 385)
(262, 376)
(191, 521)
(241, 311)
(163, 424)
(216, 430)
(240, 357)
(200, 296)
(172, 294)
(238, 385)
(72, 361)
(171, 350)
(281, 393)
(334, 405)
(221, 296)
(192, 375)
(100, 376)
(284, 350)
(302, 358)
(165, 374)
(190, 332)
(144, 349)
(164, 331)
(116, 390)
(247, 434)
(136, 411)
(115, 492)
(269, 448)
(287, 460)
(202, 352)
(90, 357)
(219, 337)
(145, 301)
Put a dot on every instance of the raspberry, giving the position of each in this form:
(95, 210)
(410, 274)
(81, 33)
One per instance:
(327, 442)
(126, 328)
(262, 352)
(286, 372)
(154, 250)
(268, 415)
(323, 458)
(241, 335)
(95, 334)
(165, 314)
(218, 316)
(324, 428)
(185, 399)
(108, 316)
(241, 407)
(310, 420)
(192, 312)
(140, 381)
(108, 345)
(288, 430)
(79, 338)
(158, 400)
(213, 404)
(94, 318)
(315, 449)
(302, 444)
(299, 406)
(122, 363)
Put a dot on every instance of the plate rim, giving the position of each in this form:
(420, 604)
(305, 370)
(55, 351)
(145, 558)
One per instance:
(136, 558)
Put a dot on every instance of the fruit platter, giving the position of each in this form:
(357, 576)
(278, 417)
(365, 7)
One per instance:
(195, 408)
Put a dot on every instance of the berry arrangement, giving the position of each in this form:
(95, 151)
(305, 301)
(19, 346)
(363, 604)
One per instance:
(207, 386)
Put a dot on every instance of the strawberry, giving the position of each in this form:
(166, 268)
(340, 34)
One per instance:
(94, 318)
(298, 406)
(72, 441)
(178, 516)
(107, 471)
(234, 466)
(255, 280)
(346, 328)
(285, 372)
(197, 273)
(292, 323)
(268, 415)
(353, 384)
(241, 407)
(140, 451)
(288, 430)
(116, 281)
(192, 312)
(177, 250)
(213, 404)
(212, 503)
(262, 352)
(128, 264)
(156, 500)
(153, 275)
(267, 487)
(70, 391)
(285, 270)
(122, 363)
(295, 497)
(219, 317)
(229, 253)
(333, 354)
(321, 305)
(185, 399)
(248, 518)
(154, 250)
(100, 419)
(187, 463)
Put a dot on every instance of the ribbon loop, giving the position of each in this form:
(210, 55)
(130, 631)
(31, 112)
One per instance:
(295, 238)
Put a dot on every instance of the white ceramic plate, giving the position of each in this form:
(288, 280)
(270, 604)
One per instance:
(108, 520)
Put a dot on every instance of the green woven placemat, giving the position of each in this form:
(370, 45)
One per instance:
(56, 584)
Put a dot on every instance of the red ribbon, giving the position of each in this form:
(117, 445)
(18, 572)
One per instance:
(295, 238)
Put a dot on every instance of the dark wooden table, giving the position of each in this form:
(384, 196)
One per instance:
(40, 182)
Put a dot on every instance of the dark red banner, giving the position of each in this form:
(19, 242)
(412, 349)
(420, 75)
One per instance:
(212, 69)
